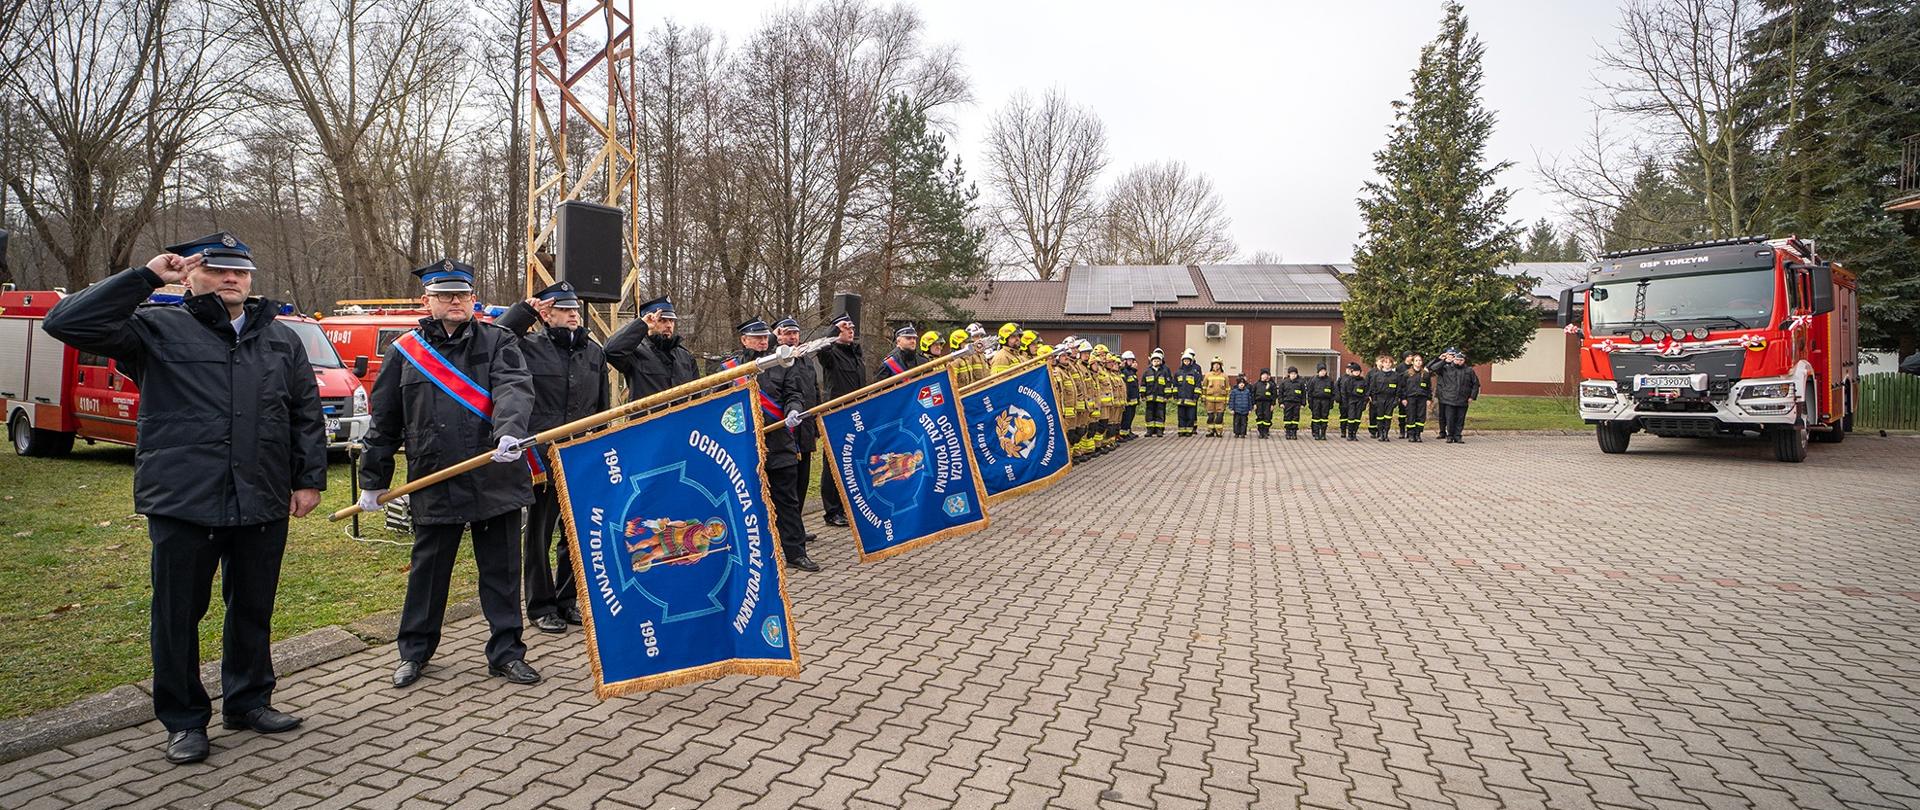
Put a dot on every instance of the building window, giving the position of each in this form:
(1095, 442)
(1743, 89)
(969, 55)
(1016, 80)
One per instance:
(1112, 342)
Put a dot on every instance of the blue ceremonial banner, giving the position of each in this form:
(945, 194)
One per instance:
(903, 466)
(1018, 439)
(674, 548)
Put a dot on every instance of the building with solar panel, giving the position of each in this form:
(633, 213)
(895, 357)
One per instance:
(1251, 316)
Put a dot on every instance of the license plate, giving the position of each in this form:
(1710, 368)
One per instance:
(333, 426)
(1663, 381)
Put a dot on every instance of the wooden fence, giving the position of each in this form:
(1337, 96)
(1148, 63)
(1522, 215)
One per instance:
(1889, 401)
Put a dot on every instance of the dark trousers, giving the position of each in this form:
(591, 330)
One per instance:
(1263, 417)
(830, 506)
(1189, 418)
(496, 552)
(1380, 416)
(185, 556)
(784, 483)
(1320, 409)
(1453, 418)
(1290, 418)
(1156, 416)
(1126, 419)
(1414, 416)
(1240, 423)
(800, 487)
(548, 587)
(1351, 411)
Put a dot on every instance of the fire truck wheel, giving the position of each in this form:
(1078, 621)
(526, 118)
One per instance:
(1613, 436)
(1790, 443)
(30, 441)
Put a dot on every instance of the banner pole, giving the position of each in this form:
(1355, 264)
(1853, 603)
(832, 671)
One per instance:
(1024, 367)
(875, 387)
(783, 356)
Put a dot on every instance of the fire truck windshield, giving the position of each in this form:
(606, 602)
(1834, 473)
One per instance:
(1739, 298)
(319, 352)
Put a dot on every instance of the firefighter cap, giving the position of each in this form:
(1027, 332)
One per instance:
(906, 331)
(1028, 337)
(1008, 330)
(786, 323)
(446, 276)
(220, 249)
(928, 339)
(1187, 355)
(754, 327)
(956, 338)
(1043, 350)
(1127, 355)
(661, 307)
(561, 294)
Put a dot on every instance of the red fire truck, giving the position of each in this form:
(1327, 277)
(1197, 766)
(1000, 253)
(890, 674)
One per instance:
(362, 330)
(52, 393)
(1729, 337)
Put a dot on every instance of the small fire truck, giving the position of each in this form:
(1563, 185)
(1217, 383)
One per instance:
(52, 393)
(362, 330)
(1728, 337)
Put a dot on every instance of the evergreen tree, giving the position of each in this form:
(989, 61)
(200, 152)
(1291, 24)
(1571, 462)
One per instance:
(1426, 272)
(933, 249)
(1657, 211)
(1544, 244)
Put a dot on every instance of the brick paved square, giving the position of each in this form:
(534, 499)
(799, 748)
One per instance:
(1518, 621)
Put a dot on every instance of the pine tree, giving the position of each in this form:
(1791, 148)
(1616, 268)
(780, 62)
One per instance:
(932, 248)
(1657, 211)
(1426, 272)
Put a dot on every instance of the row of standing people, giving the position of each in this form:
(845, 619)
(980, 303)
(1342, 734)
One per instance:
(1375, 398)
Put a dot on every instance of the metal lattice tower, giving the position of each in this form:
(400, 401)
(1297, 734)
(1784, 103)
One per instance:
(583, 131)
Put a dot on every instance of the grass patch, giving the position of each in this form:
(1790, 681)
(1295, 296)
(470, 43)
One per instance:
(75, 585)
(1519, 413)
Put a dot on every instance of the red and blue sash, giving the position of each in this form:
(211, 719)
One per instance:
(893, 365)
(774, 412)
(444, 375)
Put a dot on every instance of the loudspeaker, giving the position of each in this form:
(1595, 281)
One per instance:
(4, 233)
(588, 249)
(848, 303)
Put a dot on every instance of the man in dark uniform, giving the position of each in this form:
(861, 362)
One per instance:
(1321, 391)
(1352, 391)
(1130, 376)
(805, 374)
(231, 441)
(569, 372)
(649, 354)
(1454, 386)
(1293, 394)
(843, 367)
(781, 406)
(444, 424)
(905, 354)
(1265, 391)
(1156, 386)
(1416, 390)
(1186, 393)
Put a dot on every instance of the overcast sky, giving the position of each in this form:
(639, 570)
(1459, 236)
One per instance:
(1282, 103)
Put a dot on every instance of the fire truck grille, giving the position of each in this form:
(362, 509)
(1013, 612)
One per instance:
(1680, 426)
(336, 407)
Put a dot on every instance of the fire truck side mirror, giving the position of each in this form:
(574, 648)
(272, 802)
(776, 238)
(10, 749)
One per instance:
(360, 366)
(1821, 277)
(1566, 307)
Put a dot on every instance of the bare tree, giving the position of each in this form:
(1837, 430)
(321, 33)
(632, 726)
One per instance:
(1164, 213)
(114, 94)
(1043, 160)
(1265, 257)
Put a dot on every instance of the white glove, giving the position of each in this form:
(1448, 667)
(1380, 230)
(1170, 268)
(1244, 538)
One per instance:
(370, 500)
(506, 452)
(794, 418)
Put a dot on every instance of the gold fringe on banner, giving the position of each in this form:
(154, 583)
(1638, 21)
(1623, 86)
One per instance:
(782, 667)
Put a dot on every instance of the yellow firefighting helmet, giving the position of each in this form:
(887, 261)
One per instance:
(928, 339)
(956, 338)
(1028, 337)
(1100, 349)
(1008, 330)
(1043, 349)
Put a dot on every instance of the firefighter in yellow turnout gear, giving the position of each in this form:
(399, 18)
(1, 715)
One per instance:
(1214, 388)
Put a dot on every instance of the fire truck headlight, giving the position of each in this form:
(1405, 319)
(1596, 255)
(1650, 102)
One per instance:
(359, 401)
(1768, 391)
(1595, 391)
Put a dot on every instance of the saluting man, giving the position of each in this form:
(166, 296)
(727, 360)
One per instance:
(452, 389)
(649, 354)
(231, 441)
(843, 367)
(781, 404)
(569, 372)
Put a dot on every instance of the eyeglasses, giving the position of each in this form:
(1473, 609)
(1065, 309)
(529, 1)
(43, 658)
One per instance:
(451, 297)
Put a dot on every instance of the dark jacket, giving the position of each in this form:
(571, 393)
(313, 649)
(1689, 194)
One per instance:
(569, 378)
(439, 431)
(650, 364)
(1322, 389)
(1455, 384)
(1292, 392)
(1156, 384)
(1383, 386)
(1240, 399)
(230, 424)
(1417, 384)
(1132, 378)
(906, 358)
(1265, 392)
(781, 386)
(805, 375)
(1186, 384)
(1351, 390)
(843, 367)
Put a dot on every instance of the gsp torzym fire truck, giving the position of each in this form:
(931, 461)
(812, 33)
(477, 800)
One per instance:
(1723, 338)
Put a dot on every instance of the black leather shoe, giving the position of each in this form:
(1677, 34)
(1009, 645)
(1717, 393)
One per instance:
(837, 520)
(572, 614)
(804, 563)
(811, 537)
(264, 720)
(184, 747)
(408, 673)
(515, 671)
(550, 623)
